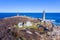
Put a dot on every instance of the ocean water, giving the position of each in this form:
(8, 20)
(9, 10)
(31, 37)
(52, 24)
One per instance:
(50, 16)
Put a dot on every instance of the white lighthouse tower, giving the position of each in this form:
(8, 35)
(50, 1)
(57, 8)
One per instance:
(17, 14)
(43, 16)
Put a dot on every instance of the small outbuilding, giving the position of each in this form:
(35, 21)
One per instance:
(20, 24)
(28, 23)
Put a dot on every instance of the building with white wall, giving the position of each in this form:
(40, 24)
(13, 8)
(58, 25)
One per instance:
(20, 24)
(28, 23)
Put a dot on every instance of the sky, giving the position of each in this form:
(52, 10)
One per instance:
(29, 5)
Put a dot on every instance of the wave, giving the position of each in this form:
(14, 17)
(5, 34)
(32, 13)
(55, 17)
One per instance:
(55, 22)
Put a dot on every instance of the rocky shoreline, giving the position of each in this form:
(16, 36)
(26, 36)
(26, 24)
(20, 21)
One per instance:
(44, 31)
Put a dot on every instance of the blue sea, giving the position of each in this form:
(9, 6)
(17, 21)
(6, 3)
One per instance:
(50, 16)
